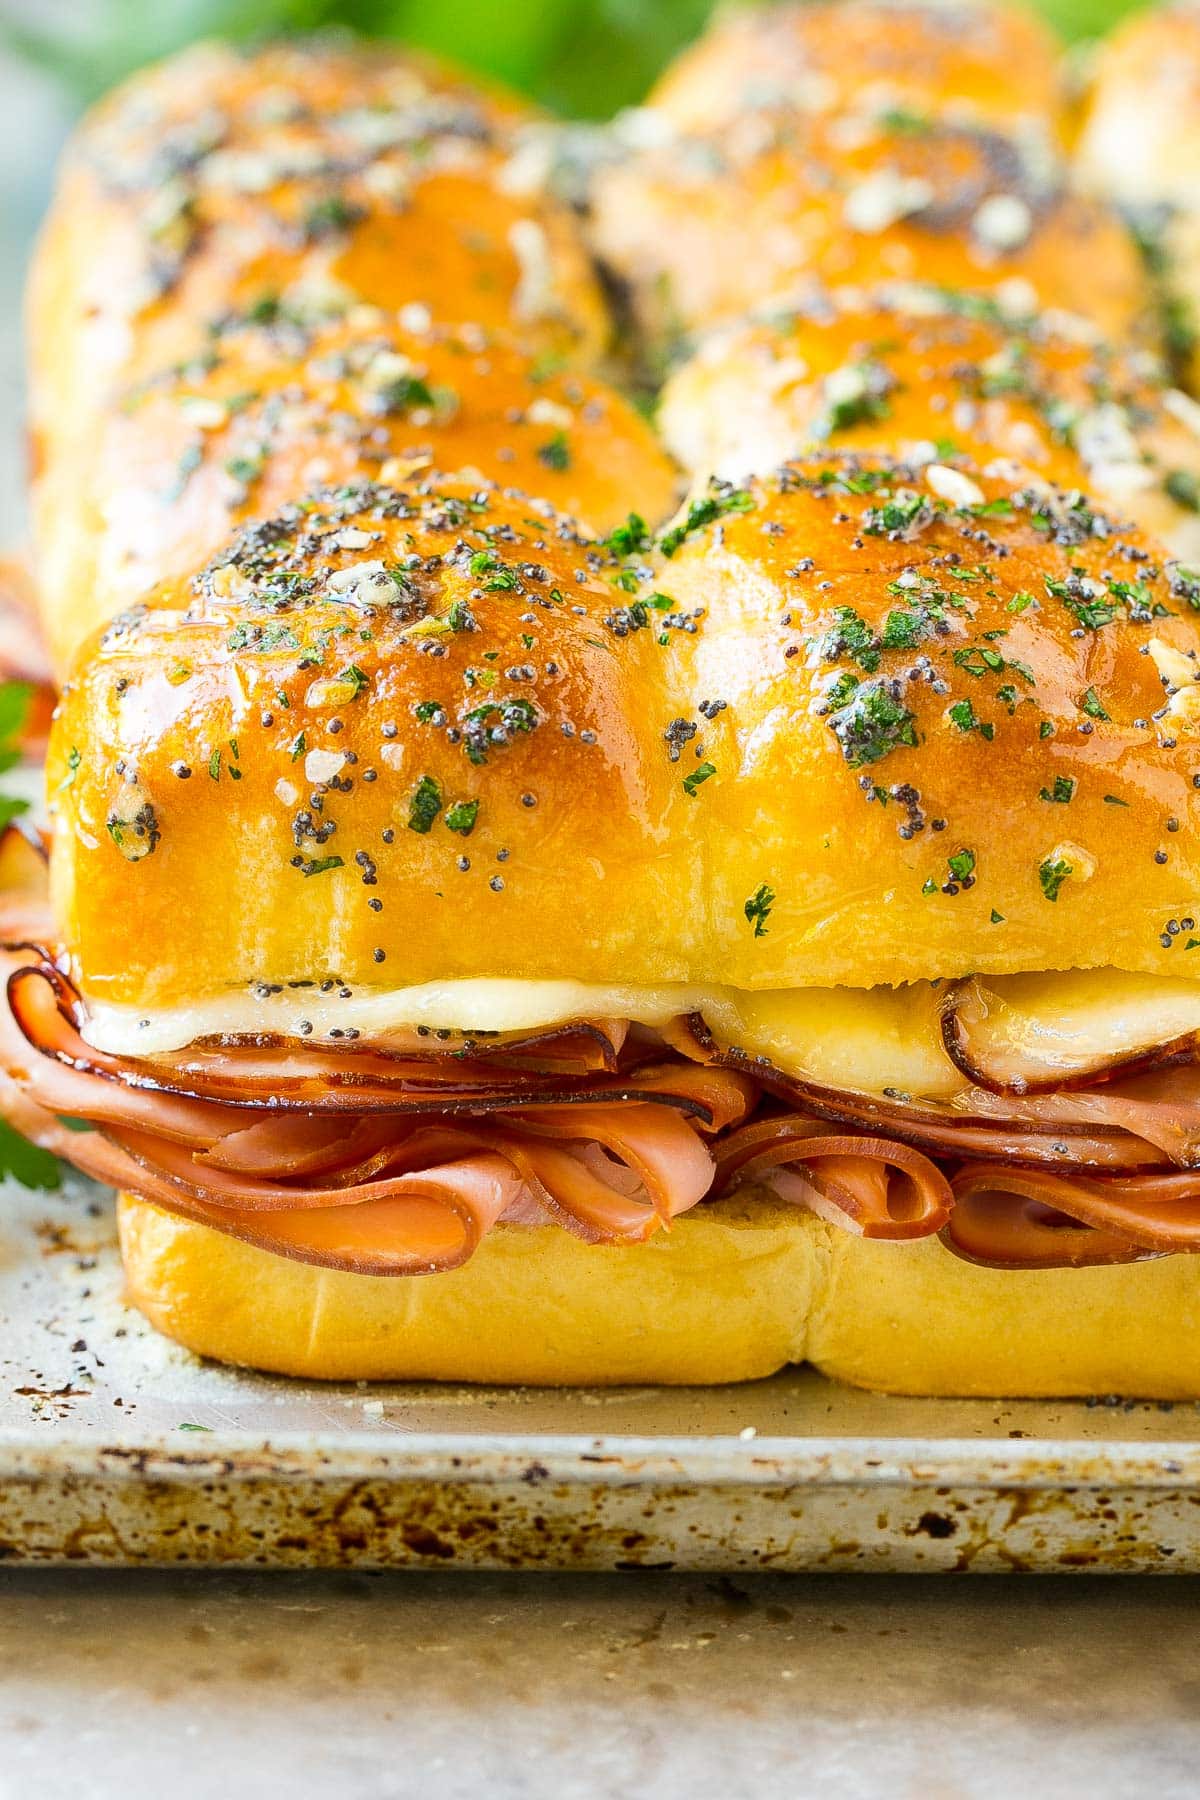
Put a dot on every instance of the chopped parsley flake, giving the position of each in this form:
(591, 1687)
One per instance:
(903, 630)
(1052, 872)
(872, 723)
(461, 817)
(698, 776)
(850, 636)
(1092, 612)
(963, 715)
(631, 538)
(556, 453)
(1091, 705)
(903, 512)
(405, 394)
(715, 505)
(248, 636)
(1063, 791)
(425, 805)
(758, 908)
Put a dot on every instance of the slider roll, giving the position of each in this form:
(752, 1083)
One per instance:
(958, 709)
(975, 62)
(926, 374)
(278, 404)
(778, 202)
(1138, 148)
(292, 185)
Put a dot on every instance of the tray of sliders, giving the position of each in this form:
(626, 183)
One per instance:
(619, 846)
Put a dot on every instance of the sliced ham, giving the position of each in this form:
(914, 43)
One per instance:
(398, 1158)
(872, 1186)
(1029, 1219)
(399, 1164)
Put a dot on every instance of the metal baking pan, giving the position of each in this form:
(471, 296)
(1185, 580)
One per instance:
(118, 1448)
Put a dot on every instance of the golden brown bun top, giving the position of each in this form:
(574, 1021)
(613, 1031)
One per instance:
(272, 409)
(981, 61)
(918, 374)
(704, 229)
(1141, 136)
(221, 182)
(853, 723)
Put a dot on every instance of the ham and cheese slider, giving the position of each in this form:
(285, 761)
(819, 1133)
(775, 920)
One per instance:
(931, 375)
(707, 227)
(670, 957)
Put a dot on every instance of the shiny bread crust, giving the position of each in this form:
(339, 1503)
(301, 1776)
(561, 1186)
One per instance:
(918, 372)
(705, 228)
(299, 181)
(276, 407)
(738, 1289)
(999, 64)
(854, 723)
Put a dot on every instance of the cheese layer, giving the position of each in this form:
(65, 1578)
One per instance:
(867, 1039)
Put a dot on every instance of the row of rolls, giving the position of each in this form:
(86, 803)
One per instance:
(853, 224)
(330, 339)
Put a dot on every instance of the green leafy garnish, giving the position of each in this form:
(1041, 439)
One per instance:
(872, 723)
(425, 805)
(1052, 872)
(27, 1163)
(758, 908)
(700, 513)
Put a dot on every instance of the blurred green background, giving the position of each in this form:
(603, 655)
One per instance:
(581, 57)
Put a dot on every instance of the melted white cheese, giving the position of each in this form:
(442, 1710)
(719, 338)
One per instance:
(868, 1039)
(841, 1037)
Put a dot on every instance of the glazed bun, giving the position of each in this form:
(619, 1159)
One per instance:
(1140, 147)
(280, 404)
(297, 182)
(933, 722)
(1140, 141)
(969, 61)
(706, 228)
(738, 1289)
(926, 374)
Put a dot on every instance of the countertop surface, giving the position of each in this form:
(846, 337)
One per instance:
(363, 1687)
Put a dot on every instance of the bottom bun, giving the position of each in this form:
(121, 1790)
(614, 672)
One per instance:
(915, 1319)
(723, 1296)
(736, 1290)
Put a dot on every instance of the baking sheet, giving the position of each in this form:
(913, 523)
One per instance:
(116, 1447)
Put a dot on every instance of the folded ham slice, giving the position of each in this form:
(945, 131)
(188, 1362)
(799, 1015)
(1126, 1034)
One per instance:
(872, 1186)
